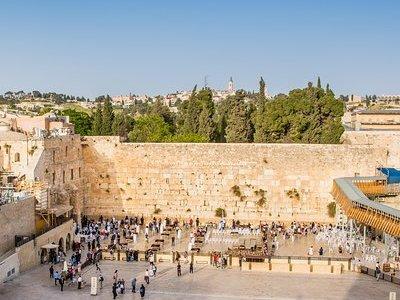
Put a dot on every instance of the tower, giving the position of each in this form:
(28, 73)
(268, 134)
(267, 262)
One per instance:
(231, 88)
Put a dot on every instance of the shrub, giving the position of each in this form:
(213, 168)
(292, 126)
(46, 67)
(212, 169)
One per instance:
(220, 212)
(332, 209)
(293, 194)
(157, 211)
(236, 191)
(188, 210)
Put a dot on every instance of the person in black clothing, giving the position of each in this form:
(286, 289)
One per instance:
(51, 270)
(191, 267)
(142, 291)
(61, 281)
(114, 290)
(179, 269)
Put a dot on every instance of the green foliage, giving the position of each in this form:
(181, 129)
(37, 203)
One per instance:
(308, 115)
(238, 129)
(293, 194)
(122, 124)
(107, 117)
(97, 120)
(332, 209)
(220, 212)
(262, 200)
(82, 121)
(158, 108)
(150, 128)
(236, 191)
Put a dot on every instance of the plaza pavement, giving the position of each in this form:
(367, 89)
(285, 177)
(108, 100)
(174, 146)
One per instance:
(206, 283)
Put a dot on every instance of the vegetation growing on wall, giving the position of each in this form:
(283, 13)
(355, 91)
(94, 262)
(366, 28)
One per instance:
(262, 200)
(332, 209)
(293, 194)
(220, 212)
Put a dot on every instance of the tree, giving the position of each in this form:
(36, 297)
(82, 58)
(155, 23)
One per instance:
(82, 121)
(122, 125)
(206, 117)
(261, 92)
(97, 121)
(307, 115)
(238, 129)
(319, 83)
(187, 138)
(160, 109)
(150, 128)
(107, 117)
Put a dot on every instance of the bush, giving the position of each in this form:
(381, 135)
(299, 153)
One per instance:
(157, 211)
(236, 191)
(293, 194)
(332, 209)
(220, 212)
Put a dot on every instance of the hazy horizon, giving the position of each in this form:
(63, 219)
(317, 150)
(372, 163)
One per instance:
(92, 48)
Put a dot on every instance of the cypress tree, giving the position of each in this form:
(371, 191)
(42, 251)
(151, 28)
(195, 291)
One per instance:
(97, 121)
(261, 92)
(238, 129)
(206, 117)
(107, 117)
(319, 83)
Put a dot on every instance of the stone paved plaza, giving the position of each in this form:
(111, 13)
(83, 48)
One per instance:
(206, 283)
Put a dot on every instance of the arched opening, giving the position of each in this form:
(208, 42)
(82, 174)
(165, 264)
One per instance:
(43, 256)
(17, 157)
(61, 244)
(68, 242)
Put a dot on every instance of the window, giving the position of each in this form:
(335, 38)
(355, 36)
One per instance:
(17, 157)
(54, 156)
(72, 174)
(54, 177)
(66, 150)
(79, 172)
(63, 176)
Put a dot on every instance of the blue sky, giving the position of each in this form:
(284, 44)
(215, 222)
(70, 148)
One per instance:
(91, 48)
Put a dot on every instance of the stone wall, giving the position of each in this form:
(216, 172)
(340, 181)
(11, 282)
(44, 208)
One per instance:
(190, 180)
(16, 219)
(389, 140)
(29, 253)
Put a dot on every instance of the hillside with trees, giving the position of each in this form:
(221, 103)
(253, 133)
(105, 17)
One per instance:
(308, 115)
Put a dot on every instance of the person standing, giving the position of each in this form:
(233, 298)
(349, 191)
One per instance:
(191, 267)
(114, 290)
(133, 282)
(179, 269)
(55, 277)
(61, 281)
(147, 276)
(79, 282)
(142, 291)
(51, 270)
(101, 279)
(377, 271)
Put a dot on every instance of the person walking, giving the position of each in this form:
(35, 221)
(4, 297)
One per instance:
(101, 279)
(133, 283)
(179, 269)
(142, 291)
(79, 282)
(191, 267)
(377, 271)
(147, 276)
(61, 281)
(114, 290)
(55, 276)
(51, 270)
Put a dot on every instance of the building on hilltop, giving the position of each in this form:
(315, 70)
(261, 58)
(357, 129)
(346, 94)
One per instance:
(388, 119)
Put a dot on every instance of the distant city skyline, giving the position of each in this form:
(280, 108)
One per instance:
(100, 47)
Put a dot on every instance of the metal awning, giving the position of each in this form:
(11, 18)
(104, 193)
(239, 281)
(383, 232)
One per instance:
(59, 210)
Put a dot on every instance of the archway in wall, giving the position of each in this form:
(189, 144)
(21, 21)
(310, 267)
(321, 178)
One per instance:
(61, 244)
(68, 242)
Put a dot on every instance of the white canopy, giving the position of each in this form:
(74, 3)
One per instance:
(50, 246)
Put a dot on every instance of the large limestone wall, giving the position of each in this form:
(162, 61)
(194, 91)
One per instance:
(186, 180)
(16, 219)
(390, 140)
